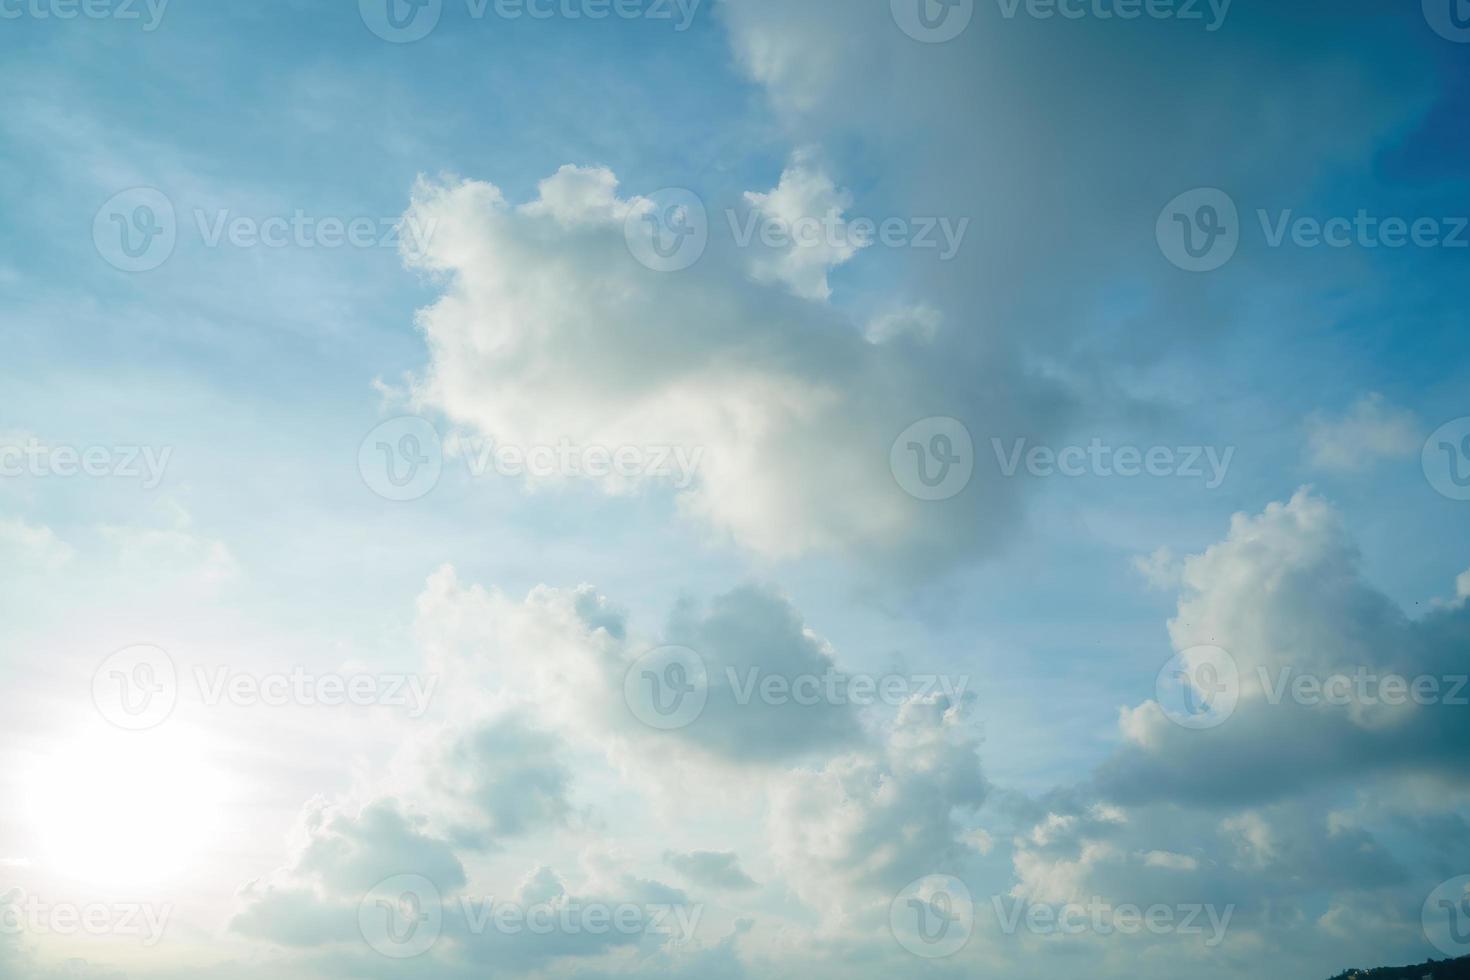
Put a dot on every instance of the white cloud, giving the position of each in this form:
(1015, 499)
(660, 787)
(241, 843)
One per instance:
(549, 331)
(807, 206)
(1371, 431)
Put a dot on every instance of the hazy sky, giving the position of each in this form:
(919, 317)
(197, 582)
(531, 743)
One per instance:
(733, 488)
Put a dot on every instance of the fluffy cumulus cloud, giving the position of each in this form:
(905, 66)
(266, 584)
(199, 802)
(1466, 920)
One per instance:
(1319, 657)
(865, 824)
(857, 800)
(548, 331)
(802, 221)
(1307, 806)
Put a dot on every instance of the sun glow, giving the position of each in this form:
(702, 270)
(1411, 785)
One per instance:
(124, 809)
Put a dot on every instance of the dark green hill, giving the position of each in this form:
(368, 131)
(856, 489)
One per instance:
(1437, 969)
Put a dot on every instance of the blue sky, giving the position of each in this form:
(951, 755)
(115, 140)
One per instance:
(1060, 152)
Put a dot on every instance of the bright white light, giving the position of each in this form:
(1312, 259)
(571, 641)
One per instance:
(124, 809)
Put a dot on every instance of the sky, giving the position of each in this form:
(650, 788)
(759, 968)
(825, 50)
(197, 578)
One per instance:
(733, 488)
